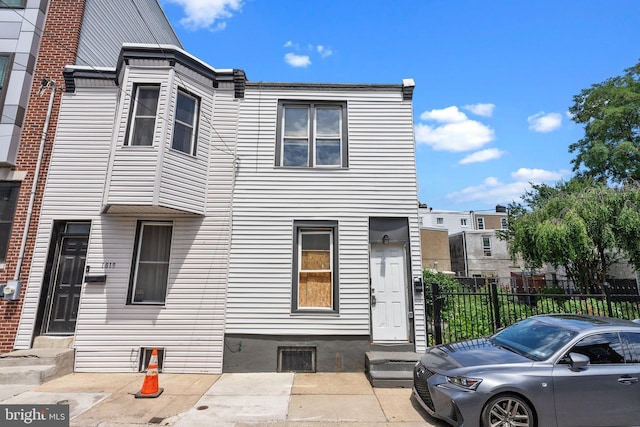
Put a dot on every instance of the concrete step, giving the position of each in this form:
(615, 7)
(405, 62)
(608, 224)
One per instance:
(391, 369)
(391, 379)
(37, 356)
(32, 375)
(52, 341)
(36, 365)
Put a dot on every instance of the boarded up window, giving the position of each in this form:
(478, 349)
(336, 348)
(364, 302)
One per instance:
(315, 274)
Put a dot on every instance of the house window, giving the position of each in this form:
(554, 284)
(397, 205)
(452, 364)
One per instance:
(440, 221)
(315, 265)
(150, 263)
(480, 221)
(185, 124)
(312, 135)
(9, 191)
(486, 246)
(142, 123)
(463, 222)
(503, 222)
(12, 3)
(5, 61)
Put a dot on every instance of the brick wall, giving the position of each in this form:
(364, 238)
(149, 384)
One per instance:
(58, 48)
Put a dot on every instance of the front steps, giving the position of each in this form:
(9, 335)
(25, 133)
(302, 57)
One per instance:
(50, 357)
(389, 369)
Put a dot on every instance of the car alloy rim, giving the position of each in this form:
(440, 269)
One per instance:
(509, 413)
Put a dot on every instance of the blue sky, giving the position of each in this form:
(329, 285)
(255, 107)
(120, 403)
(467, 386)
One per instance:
(494, 79)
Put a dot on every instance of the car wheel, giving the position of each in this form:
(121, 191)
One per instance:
(507, 410)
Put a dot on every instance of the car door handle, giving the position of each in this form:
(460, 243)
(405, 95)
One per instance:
(627, 379)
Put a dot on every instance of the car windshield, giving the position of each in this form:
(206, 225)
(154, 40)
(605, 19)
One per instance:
(533, 338)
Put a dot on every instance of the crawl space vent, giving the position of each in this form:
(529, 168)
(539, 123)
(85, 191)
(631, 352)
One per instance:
(296, 359)
(145, 355)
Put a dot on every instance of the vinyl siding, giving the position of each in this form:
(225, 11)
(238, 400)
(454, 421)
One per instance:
(379, 182)
(127, 21)
(109, 333)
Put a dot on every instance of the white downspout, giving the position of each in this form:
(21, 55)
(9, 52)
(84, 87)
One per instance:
(46, 83)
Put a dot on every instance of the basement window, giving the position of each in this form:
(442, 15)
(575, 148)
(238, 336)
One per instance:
(145, 356)
(296, 359)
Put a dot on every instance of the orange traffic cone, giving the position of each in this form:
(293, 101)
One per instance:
(150, 384)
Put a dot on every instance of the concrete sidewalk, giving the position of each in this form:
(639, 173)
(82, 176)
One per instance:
(255, 399)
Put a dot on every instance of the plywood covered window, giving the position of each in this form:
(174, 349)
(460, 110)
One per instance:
(315, 263)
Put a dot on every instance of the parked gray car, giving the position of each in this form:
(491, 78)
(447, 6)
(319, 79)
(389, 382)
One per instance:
(550, 370)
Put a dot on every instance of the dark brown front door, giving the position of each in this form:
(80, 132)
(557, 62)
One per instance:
(65, 298)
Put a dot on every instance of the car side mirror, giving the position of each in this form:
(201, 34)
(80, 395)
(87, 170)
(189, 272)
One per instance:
(578, 361)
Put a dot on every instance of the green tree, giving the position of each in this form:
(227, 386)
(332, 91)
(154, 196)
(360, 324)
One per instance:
(582, 225)
(610, 111)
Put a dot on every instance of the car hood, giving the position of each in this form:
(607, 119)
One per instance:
(469, 353)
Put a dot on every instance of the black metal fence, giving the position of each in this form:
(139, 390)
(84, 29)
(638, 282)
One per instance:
(475, 309)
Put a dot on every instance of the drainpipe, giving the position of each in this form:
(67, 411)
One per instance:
(46, 83)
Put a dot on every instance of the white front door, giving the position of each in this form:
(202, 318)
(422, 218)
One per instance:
(388, 293)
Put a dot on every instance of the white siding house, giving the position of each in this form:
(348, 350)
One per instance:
(325, 239)
(236, 226)
(138, 206)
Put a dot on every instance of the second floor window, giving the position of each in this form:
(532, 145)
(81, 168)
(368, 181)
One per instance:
(311, 135)
(480, 222)
(142, 123)
(486, 246)
(4, 75)
(463, 222)
(185, 124)
(12, 3)
(440, 221)
(503, 222)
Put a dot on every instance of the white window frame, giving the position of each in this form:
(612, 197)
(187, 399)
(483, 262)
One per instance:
(302, 228)
(133, 285)
(480, 222)
(134, 116)
(463, 222)
(193, 126)
(440, 220)
(312, 135)
(486, 245)
(503, 223)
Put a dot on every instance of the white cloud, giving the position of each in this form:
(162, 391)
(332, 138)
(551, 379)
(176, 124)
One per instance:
(542, 122)
(297, 60)
(456, 131)
(537, 175)
(482, 156)
(207, 14)
(444, 115)
(492, 190)
(324, 51)
(484, 110)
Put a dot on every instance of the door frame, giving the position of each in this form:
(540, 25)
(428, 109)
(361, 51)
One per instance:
(58, 232)
(406, 294)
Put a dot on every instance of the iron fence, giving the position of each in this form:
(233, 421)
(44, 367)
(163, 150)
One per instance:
(475, 308)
